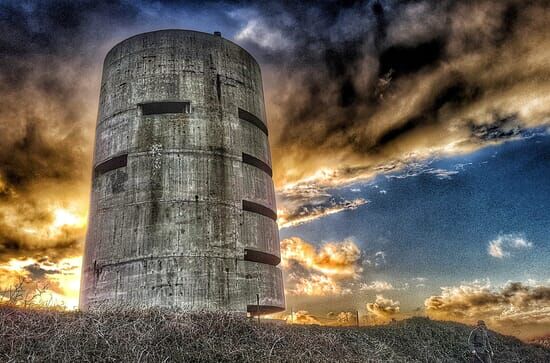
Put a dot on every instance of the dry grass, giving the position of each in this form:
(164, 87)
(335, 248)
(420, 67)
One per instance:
(154, 335)
(543, 341)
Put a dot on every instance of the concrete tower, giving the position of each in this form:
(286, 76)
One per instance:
(182, 207)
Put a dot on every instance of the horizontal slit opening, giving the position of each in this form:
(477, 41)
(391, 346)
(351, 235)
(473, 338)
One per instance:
(261, 257)
(111, 164)
(259, 209)
(159, 108)
(247, 116)
(254, 161)
(256, 310)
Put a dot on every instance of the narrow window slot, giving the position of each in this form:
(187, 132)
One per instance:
(247, 116)
(254, 161)
(159, 108)
(259, 209)
(111, 164)
(261, 257)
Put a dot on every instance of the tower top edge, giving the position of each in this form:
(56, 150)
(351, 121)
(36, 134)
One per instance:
(215, 36)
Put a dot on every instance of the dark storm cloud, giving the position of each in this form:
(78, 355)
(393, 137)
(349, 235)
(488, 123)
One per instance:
(36, 272)
(53, 29)
(356, 88)
(50, 58)
(46, 55)
(370, 82)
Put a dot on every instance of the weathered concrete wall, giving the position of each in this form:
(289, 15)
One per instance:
(182, 206)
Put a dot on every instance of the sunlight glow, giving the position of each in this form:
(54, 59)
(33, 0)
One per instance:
(60, 282)
(65, 217)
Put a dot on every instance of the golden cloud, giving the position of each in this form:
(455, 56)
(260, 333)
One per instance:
(516, 308)
(383, 308)
(319, 271)
(41, 282)
(302, 317)
(46, 166)
(356, 110)
(344, 318)
(315, 285)
(49, 86)
(335, 259)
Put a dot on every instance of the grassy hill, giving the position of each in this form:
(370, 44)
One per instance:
(160, 336)
(542, 341)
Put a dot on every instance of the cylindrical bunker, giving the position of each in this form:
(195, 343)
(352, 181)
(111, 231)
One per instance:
(182, 205)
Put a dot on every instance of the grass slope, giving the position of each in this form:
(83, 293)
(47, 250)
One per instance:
(543, 341)
(122, 335)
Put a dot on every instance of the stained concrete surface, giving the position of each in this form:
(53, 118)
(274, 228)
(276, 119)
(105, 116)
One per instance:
(168, 228)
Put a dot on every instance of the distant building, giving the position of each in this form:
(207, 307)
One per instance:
(182, 206)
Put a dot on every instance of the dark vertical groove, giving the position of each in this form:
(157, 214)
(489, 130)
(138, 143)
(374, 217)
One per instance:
(219, 88)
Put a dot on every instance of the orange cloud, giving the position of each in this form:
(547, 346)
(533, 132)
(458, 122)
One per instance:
(57, 282)
(466, 98)
(335, 259)
(315, 285)
(516, 308)
(382, 308)
(319, 271)
(42, 252)
(343, 318)
(302, 317)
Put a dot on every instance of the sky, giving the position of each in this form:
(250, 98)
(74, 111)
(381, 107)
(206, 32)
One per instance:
(410, 148)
